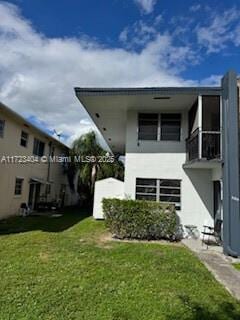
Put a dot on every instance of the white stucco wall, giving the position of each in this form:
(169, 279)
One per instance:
(156, 159)
(106, 188)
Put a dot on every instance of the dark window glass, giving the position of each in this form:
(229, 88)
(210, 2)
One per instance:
(211, 113)
(148, 182)
(2, 125)
(147, 126)
(38, 147)
(170, 183)
(146, 190)
(170, 127)
(18, 186)
(48, 189)
(169, 199)
(169, 190)
(24, 139)
(145, 197)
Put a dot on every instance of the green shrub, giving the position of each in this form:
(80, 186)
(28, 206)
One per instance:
(138, 219)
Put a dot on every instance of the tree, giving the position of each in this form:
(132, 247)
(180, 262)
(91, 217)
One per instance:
(90, 168)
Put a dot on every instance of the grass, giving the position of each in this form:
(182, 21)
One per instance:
(62, 268)
(237, 266)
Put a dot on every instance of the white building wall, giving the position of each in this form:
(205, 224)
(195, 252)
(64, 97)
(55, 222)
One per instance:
(161, 159)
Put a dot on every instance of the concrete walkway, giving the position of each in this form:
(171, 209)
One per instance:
(218, 264)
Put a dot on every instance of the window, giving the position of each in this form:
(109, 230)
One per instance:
(48, 188)
(146, 189)
(154, 126)
(24, 139)
(170, 191)
(18, 186)
(170, 127)
(2, 125)
(147, 126)
(163, 190)
(38, 147)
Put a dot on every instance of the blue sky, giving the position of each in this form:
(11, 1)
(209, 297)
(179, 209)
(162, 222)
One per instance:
(51, 46)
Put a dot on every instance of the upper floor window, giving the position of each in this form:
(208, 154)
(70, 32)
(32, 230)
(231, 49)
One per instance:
(163, 190)
(18, 186)
(2, 125)
(170, 126)
(147, 126)
(164, 127)
(38, 147)
(24, 139)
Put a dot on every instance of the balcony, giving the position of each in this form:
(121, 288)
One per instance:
(204, 145)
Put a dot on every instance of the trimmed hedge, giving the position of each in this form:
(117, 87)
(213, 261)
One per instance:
(139, 219)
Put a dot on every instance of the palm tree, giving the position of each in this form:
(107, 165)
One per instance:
(89, 171)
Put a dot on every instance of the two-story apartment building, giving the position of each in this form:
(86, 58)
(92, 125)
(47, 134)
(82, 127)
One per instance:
(181, 146)
(21, 179)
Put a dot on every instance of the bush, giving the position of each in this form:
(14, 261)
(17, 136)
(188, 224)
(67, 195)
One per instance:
(138, 219)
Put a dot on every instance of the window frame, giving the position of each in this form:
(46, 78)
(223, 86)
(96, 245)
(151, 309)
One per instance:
(24, 139)
(157, 121)
(159, 126)
(18, 188)
(38, 141)
(2, 127)
(158, 193)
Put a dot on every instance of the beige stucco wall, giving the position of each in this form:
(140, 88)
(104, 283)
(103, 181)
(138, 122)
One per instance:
(10, 146)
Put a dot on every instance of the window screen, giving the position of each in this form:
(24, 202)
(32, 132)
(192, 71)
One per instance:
(2, 125)
(170, 126)
(147, 126)
(163, 190)
(38, 147)
(18, 186)
(24, 139)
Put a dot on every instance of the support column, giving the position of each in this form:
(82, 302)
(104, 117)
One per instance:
(230, 147)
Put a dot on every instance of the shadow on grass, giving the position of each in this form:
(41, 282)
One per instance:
(217, 311)
(48, 223)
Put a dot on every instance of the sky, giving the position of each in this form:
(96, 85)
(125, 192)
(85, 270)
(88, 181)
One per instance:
(50, 47)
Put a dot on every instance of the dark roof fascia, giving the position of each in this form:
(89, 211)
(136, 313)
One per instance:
(141, 91)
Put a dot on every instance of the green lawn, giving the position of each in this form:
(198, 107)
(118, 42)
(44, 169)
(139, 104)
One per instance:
(62, 268)
(237, 266)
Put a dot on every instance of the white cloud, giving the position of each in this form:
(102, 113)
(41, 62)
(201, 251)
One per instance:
(146, 6)
(221, 30)
(195, 7)
(137, 35)
(38, 74)
(213, 80)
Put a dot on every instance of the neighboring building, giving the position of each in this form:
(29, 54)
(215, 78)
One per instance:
(29, 182)
(180, 146)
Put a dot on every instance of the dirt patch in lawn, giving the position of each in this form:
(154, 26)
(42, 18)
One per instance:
(44, 256)
(107, 237)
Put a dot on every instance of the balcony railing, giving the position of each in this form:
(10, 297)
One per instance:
(204, 145)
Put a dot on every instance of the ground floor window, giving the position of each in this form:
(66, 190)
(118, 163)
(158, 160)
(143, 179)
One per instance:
(18, 186)
(163, 190)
